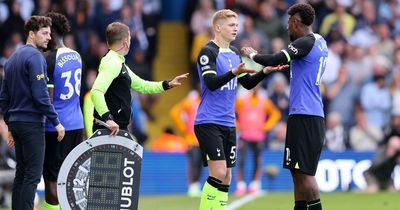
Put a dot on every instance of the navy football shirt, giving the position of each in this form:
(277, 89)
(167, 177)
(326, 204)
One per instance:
(64, 72)
(217, 106)
(307, 56)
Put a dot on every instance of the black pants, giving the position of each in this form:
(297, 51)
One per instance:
(29, 149)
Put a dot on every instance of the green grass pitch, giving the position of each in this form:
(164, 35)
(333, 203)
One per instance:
(278, 201)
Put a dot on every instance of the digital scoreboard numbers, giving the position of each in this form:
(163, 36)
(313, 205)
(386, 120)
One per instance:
(101, 173)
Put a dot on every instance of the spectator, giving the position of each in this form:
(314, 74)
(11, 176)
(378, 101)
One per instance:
(356, 59)
(7, 52)
(201, 18)
(42, 7)
(269, 22)
(394, 88)
(144, 30)
(390, 11)
(183, 114)
(14, 22)
(276, 142)
(346, 22)
(335, 134)
(103, 16)
(364, 136)
(379, 175)
(385, 44)
(375, 98)
(336, 45)
(256, 116)
(169, 142)
(368, 16)
(253, 35)
(279, 94)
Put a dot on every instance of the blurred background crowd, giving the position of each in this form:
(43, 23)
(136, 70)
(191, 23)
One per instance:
(361, 85)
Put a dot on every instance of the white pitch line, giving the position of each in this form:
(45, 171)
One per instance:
(242, 201)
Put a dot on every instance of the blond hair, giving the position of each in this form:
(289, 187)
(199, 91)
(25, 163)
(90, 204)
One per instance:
(223, 14)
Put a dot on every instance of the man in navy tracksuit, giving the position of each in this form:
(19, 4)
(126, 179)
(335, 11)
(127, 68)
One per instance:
(25, 102)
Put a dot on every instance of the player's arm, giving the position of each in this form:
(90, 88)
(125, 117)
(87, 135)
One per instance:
(4, 99)
(150, 87)
(274, 115)
(88, 109)
(108, 71)
(295, 50)
(206, 61)
(147, 87)
(249, 81)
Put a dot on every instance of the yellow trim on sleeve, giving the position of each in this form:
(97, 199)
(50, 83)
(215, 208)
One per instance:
(287, 55)
(209, 72)
(241, 75)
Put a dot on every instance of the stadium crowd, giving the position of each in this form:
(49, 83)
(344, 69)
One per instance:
(361, 85)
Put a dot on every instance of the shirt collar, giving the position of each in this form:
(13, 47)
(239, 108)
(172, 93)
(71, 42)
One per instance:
(120, 57)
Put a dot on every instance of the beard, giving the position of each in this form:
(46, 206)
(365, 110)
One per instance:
(42, 48)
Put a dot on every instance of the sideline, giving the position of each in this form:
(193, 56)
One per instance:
(242, 201)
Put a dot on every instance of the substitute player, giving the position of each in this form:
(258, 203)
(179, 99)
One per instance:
(64, 67)
(220, 68)
(307, 55)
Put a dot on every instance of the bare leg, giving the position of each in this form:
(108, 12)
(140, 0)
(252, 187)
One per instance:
(305, 186)
(51, 192)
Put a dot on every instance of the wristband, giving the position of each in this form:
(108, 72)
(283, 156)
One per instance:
(252, 55)
(107, 116)
(165, 85)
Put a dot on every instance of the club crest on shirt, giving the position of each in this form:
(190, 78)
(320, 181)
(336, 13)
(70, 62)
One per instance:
(204, 59)
(39, 76)
(292, 48)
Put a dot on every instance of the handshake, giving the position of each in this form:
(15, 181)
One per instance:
(250, 53)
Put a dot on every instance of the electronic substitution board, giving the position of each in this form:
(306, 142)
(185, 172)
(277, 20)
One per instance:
(101, 173)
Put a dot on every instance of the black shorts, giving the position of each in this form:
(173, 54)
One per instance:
(304, 140)
(217, 142)
(56, 152)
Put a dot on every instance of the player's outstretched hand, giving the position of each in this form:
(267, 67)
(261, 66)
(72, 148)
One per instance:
(269, 69)
(10, 140)
(113, 126)
(178, 80)
(241, 69)
(246, 51)
(61, 132)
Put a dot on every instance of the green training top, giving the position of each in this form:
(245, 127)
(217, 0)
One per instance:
(111, 89)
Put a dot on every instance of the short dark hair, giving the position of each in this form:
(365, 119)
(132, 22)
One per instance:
(60, 24)
(116, 31)
(35, 23)
(305, 11)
